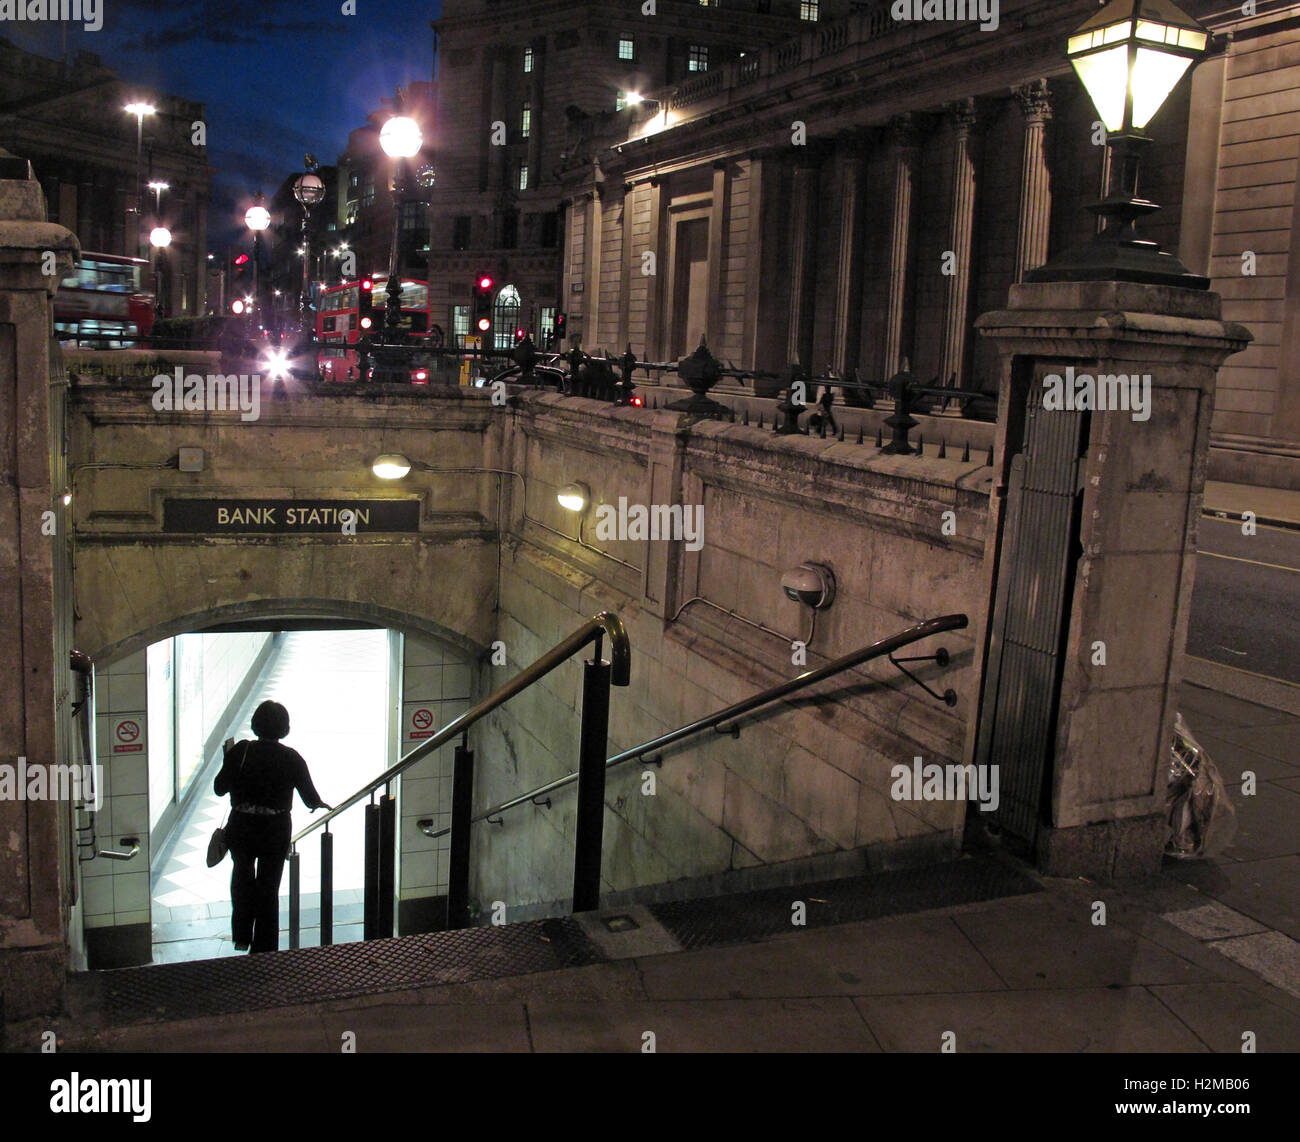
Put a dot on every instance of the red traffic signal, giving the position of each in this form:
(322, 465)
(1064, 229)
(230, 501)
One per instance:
(367, 284)
(484, 324)
(484, 283)
(241, 260)
(237, 307)
(519, 334)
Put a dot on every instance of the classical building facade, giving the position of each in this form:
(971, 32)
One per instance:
(68, 119)
(854, 196)
(516, 83)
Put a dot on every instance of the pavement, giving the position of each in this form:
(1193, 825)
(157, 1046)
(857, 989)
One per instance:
(1275, 507)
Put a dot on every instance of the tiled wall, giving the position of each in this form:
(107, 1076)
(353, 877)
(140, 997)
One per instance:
(116, 893)
(436, 687)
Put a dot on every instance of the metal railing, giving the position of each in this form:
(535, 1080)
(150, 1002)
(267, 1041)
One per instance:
(462, 820)
(380, 831)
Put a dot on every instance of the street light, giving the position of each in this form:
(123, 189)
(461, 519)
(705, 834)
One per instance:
(159, 238)
(1129, 57)
(257, 218)
(158, 186)
(309, 190)
(400, 139)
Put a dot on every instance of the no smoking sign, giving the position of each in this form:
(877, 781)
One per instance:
(420, 724)
(127, 733)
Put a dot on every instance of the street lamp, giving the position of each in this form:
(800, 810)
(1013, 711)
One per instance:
(1129, 57)
(257, 218)
(400, 139)
(309, 190)
(158, 186)
(159, 238)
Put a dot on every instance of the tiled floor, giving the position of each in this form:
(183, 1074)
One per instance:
(334, 685)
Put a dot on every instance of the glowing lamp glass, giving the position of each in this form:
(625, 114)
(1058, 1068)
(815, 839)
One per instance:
(400, 137)
(391, 466)
(160, 237)
(257, 218)
(573, 497)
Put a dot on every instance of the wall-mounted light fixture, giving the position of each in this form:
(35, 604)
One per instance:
(574, 497)
(390, 466)
(812, 584)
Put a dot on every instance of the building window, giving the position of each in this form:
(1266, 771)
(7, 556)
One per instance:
(809, 10)
(505, 318)
(620, 101)
(528, 60)
(698, 59)
(525, 120)
(412, 215)
(460, 232)
(546, 324)
(523, 176)
(626, 48)
(459, 325)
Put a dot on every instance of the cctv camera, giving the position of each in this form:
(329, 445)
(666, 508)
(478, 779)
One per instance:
(812, 584)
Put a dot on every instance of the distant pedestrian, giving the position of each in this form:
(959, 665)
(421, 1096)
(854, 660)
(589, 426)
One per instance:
(823, 416)
(260, 777)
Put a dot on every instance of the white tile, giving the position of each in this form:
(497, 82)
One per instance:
(141, 917)
(419, 870)
(130, 773)
(420, 652)
(422, 684)
(456, 682)
(97, 895)
(178, 896)
(130, 891)
(136, 663)
(128, 694)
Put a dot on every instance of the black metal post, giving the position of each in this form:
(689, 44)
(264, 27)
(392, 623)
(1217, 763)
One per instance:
(387, 885)
(326, 887)
(462, 794)
(295, 886)
(371, 890)
(591, 783)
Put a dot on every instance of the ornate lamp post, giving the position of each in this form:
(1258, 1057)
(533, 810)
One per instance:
(1129, 57)
(309, 190)
(400, 139)
(257, 218)
(159, 238)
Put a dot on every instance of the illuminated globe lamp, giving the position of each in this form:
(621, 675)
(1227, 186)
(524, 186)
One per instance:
(401, 139)
(160, 237)
(1129, 57)
(257, 218)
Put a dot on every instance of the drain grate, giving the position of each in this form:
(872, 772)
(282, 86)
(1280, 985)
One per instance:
(309, 975)
(341, 971)
(750, 916)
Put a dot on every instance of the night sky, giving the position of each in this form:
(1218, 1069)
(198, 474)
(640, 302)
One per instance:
(278, 77)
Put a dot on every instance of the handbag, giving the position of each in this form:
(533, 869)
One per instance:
(218, 846)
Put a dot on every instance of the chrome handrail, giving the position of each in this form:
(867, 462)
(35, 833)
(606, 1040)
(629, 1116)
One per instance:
(738, 709)
(620, 654)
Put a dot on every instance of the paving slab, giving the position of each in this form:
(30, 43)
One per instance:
(720, 1026)
(258, 1033)
(1273, 956)
(1232, 759)
(1056, 946)
(432, 1028)
(1213, 921)
(1281, 742)
(1219, 1013)
(1266, 890)
(1087, 1020)
(1268, 823)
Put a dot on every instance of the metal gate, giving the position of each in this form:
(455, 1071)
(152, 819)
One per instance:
(1035, 581)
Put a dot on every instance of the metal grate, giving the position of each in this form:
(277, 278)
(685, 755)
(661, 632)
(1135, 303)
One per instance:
(308, 975)
(755, 915)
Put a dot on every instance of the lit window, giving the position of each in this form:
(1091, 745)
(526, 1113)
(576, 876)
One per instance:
(528, 60)
(525, 120)
(523, 176)
(626, 48)
(698, 60)
(620, 101)
(808, 9)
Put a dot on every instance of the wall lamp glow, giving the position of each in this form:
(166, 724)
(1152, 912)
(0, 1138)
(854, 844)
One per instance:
(574, 497)
(390, 466)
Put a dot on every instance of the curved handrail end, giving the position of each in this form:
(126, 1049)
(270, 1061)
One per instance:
(620, 647)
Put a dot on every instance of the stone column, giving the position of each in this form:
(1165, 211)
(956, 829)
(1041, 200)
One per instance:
(803, 249)
(1132, 553)
(902, 159)
(961, 222)
(1035, 183)
(34, 620)
(848, 278)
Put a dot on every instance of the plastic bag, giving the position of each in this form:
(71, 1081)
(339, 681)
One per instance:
(1202, 819)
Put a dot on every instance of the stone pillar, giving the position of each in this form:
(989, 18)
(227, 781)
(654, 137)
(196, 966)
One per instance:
(848, 278)
(902, 159)
(1126, 606)
(803, 250)
(33, 620)
(719, 215)
(1034, 226)
(961, 223)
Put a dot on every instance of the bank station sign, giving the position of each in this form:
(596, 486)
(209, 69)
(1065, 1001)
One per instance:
(289, 517)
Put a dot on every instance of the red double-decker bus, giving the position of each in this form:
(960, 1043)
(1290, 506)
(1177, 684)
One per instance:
(347, 310)
(101, 304)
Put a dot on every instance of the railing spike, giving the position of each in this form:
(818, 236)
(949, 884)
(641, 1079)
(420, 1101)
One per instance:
(745, 419)
(841, 434)
(859, 433)
(880, 440)
(989, 462)
(920, 444)
(943, 449)
(760, 420)
(965, 453)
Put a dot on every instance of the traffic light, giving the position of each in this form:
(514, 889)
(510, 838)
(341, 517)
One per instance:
(483, 303)
(559, 328)
(366, 304)
(239, 267)
(237, 307)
